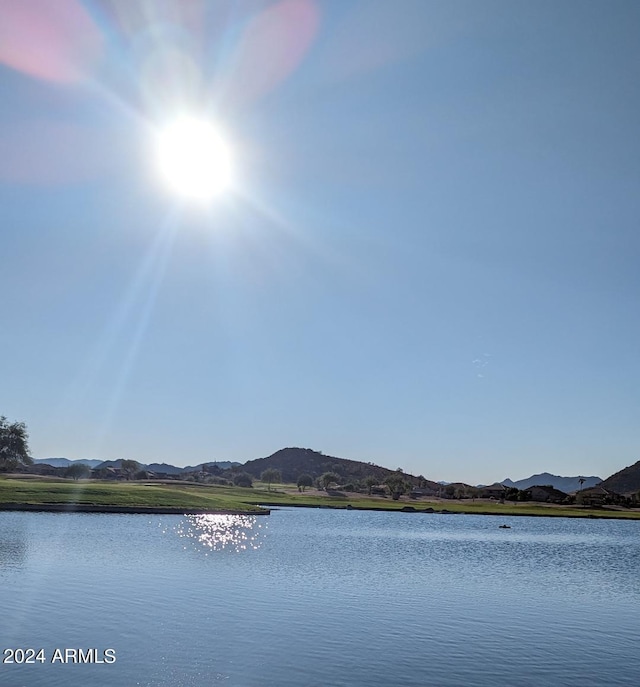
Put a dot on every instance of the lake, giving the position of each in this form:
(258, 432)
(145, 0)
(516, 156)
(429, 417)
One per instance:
(317, 597)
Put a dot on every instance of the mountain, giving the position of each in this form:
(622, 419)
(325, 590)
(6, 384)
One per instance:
(114, 464)
(65, 462)
(292, 462)
(152, 467)
(566, 484)
(162, 467)
(625, 481)
(222, 464)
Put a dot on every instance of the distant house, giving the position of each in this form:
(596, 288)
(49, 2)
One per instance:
(162, 475)
(546, 494)
(493, 491)
(107, 473)
(598, 496)
(424, 491)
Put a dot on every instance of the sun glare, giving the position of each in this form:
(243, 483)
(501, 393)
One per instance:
(193, 159)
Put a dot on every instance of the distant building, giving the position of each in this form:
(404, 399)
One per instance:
(546, 494)
(107, 473)
(493, 491)
(598, 496)
(424, 491)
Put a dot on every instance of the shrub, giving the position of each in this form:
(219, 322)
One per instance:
(243, 479)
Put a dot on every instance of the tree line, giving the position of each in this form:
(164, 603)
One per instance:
(14, 453)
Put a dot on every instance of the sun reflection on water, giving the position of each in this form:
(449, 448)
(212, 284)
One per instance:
(221, 532)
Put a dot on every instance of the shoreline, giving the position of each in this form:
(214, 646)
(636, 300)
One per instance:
(128, 510)
(610, 515)
(268, 507)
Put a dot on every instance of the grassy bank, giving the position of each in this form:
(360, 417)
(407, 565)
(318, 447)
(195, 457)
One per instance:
(220, 499)
(139, 495)
(478, 507)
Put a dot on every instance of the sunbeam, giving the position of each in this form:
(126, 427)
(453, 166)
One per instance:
(149, 278)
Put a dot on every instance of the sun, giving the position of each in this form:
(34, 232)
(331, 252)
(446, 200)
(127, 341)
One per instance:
(194, 159)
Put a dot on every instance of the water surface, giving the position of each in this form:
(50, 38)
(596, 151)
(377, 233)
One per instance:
(318, 597)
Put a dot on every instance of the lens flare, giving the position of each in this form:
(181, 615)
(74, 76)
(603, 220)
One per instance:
(54, 41)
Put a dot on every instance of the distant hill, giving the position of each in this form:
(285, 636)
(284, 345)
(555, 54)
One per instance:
(170, 469)
(113, 464)
(565, 484)
(162, 467)
(152, 467)
(65, 462)
(222, 464)
(625, 481)
(292, 462)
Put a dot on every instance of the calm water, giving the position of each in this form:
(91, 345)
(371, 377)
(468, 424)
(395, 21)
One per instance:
(321, 598)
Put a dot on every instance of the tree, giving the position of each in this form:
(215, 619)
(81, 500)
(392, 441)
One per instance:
(271, 475)
(243, 479)
(511, 493)
(328, 478)
(304, 481)
(14, 445)
(397, 484)
(77, 470)
(370, 482)
(582, 480)
(129, 468)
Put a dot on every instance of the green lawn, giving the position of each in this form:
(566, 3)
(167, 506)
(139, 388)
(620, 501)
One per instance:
(186, 495)
(278, 497)
(467, 506)
(130, 494)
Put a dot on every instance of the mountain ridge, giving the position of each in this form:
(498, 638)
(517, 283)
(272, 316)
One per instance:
(152, 467)
(66, 462)
(293, 461)
(565, 484)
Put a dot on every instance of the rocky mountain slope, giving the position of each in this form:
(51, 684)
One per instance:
(626, 481)
(292, 462)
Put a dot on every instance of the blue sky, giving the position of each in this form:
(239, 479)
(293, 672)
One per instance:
(429, 259)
